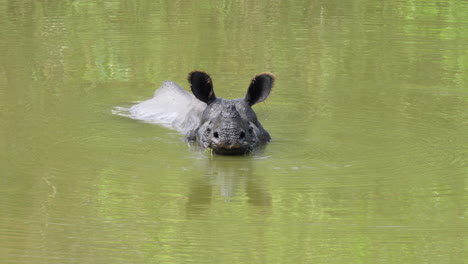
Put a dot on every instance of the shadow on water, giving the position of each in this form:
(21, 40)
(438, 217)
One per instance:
(230, 179)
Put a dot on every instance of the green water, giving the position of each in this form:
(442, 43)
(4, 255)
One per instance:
(368, 116)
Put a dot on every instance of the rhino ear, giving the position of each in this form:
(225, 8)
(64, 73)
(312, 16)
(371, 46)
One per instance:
(201, 86)
(259, 88)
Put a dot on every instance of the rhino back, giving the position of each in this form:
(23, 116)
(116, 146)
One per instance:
(170, 106)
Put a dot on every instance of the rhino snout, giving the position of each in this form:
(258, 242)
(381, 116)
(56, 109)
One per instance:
(228, 136)
(229, 141)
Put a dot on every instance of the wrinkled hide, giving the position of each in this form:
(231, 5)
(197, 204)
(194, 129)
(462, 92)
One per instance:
(229, 127)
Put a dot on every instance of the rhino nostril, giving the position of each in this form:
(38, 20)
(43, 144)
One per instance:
(216, 135)
(242, 134)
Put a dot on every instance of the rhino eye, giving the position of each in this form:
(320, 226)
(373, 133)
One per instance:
(208, 130)
(251, 130)
(242, 134)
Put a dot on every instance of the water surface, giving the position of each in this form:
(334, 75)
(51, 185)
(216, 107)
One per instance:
(368, 117)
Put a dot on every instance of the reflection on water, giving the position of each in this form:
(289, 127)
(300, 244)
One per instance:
(231, 179)
(368, 160)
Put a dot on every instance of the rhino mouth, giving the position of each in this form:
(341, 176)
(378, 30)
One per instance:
(230, 149)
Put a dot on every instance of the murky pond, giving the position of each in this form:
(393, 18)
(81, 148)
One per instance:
(368, 117)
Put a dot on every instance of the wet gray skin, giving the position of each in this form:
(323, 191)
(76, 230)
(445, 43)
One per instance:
(230, 127)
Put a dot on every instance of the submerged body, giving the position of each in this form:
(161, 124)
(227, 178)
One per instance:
(228, 127)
